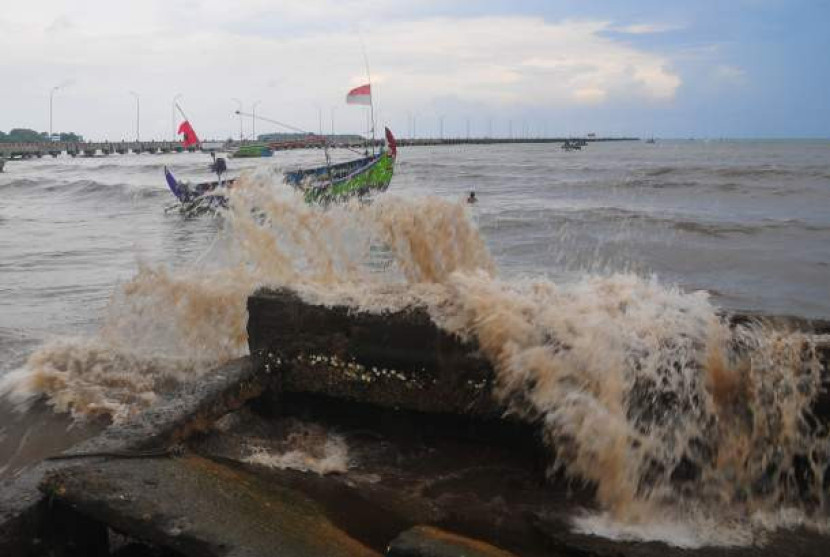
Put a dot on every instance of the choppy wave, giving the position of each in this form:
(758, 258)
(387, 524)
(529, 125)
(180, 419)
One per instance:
(755, 171)
(641, 390)
(617, 216)
(89, 189)
(21, 183)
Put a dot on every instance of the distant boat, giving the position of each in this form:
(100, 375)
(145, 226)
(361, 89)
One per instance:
(650, 140)
(574, 144)
(254, 150)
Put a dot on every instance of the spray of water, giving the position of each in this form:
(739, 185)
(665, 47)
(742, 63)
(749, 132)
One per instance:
(641, 390)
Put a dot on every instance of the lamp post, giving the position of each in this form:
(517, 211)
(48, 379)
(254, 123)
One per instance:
(137, 117)
(333, 109)
(51, 96)
(173, 115)
(319, 119)
(253, 120)
(239, 112)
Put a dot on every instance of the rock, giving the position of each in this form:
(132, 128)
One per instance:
(200, 508)
(192, 408)
(428, 541)
(394, 359)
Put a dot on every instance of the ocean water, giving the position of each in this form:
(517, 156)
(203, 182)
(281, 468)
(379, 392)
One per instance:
(594, 281)
(747, 221)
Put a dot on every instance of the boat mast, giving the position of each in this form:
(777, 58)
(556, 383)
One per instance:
(181, 111)
(371, 93)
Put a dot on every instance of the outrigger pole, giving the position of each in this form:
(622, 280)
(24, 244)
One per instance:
(278, 123)
(292, 128)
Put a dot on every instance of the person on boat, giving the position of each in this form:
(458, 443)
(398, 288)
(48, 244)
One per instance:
(219, 165)
(472, 197)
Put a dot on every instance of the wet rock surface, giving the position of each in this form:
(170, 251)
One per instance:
(200, 508)
(427, 541)
(192, 408)
(481, 479)
(396, 359)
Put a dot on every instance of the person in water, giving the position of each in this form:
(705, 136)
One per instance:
(472, 197)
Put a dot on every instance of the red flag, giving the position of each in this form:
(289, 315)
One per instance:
(393, 145)
(360, 95)
(189, 135)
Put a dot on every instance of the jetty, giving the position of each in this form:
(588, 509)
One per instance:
(434, 467)
(103, 148)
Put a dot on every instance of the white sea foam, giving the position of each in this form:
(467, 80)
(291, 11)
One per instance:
(308, 448)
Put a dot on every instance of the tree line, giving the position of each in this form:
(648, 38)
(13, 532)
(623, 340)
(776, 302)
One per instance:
(23, 135)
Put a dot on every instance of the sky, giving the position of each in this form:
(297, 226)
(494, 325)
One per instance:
(663, 68)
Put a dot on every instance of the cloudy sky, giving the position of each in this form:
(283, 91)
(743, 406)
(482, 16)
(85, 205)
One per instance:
(707, 68)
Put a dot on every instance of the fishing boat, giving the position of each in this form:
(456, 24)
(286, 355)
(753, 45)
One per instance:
(200, 197)
(325, 184)
(356, 178)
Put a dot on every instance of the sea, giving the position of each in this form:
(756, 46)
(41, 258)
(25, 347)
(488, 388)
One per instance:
(627, 253)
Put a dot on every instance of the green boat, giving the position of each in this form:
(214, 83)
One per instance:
(357, 178)
(254, 150)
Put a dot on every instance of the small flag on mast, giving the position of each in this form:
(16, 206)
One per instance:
(360, 95)
(190, 137)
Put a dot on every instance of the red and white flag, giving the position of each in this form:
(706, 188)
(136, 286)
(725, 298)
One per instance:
(360, 95)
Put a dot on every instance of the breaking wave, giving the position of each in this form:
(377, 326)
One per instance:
(642, 390)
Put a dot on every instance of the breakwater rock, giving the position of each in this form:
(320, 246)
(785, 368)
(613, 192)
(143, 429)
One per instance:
(344, 433)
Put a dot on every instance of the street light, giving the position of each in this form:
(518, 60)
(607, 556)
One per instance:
(319, 118)
(332, 122)
(51, 96)
(173, 114)
(137, 117)
(253, 120)
(239, 111)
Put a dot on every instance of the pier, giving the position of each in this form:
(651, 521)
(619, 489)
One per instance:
(88, 149)
(102, 148)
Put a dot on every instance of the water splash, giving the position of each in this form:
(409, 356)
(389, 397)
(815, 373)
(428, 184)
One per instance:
(307, 448)
(642, 390)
